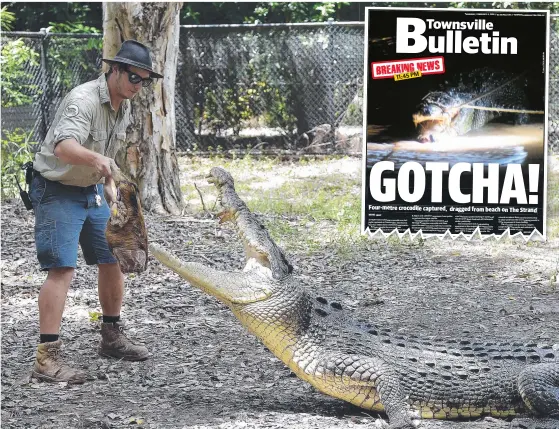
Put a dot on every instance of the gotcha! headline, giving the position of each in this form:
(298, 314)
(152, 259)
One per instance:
(483, 177)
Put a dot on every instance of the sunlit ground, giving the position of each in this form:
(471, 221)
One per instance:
(314, 202)
(317, 202)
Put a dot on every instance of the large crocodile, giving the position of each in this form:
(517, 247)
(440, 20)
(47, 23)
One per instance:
(445, 112)
(364, 364)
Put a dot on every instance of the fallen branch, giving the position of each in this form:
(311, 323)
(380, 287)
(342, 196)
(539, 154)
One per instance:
(202, 199)
(257, 146)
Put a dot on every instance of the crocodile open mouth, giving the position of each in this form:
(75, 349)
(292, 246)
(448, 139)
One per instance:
(257, 243)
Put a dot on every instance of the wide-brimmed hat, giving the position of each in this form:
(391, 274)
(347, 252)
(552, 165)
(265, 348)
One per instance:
(135, 54)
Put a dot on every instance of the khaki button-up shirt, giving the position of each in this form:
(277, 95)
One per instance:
(86, 115)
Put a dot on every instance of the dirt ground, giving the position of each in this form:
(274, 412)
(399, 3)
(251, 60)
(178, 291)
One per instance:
(206, 372)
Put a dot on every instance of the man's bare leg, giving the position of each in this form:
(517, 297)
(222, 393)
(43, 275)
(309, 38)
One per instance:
(52, 299)
(111, 288)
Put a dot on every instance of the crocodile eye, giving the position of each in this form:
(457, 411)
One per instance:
(118, 196)
(432, 138)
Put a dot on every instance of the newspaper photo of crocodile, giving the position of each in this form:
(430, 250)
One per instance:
(480, 115)
(404, 377)
(470, 101)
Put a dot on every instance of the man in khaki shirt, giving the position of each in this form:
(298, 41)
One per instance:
(67, 195)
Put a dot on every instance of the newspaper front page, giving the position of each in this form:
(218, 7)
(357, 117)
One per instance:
(455, 122)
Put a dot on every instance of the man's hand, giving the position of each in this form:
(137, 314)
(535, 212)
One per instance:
(102, 164)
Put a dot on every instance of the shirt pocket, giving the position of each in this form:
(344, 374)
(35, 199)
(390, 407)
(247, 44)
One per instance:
(99, 141)
(117, 142)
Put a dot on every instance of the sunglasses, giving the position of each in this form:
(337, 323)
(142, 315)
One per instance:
(135, 79)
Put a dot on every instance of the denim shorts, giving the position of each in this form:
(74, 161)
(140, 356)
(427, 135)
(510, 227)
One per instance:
(65, 216)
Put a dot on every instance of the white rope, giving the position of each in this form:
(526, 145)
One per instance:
(502, 109)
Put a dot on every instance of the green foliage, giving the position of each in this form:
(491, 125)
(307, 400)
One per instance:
(189, 14)
(32, 16)
(237, 13)
(255, 104)
(16, 151)
(72, 27)
(552, 6)
(234, 107)
(7, 19)
(279, 114)
(250, 96)
(16, 58)
(244, 12)
(294, 12)
(95, 316)
(74, 59)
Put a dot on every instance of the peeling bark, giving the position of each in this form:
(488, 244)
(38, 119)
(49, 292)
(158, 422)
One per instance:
(150, 156)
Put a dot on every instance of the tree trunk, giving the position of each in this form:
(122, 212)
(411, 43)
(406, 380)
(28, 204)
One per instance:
(151, 137)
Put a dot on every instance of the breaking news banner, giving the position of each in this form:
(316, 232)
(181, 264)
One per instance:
(455, 122)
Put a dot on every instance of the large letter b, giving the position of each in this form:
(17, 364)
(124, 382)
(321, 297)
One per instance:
(404, 35)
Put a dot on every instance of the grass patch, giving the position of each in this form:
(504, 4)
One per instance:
(326, 211)
(332, 198)
(307, 204)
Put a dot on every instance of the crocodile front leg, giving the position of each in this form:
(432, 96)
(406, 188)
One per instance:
(366, 382)
(395, 405)
(538, 386)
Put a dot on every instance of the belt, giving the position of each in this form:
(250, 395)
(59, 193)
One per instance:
(84, 189)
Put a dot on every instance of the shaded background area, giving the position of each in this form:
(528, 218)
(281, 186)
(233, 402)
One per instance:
(271, 86)
(236, 86)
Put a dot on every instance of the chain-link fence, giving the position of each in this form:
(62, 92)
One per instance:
(267, 85)
(38, 69)
(240, 86)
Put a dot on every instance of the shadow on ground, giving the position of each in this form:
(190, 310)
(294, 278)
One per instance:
(206, 372)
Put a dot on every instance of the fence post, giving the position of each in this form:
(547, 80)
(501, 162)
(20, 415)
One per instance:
(330, 91)
(45, 87)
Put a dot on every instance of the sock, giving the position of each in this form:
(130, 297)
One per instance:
(111, 319)
(49, 338)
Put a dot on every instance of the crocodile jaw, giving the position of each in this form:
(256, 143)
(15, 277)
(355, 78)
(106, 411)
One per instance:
(253, 285)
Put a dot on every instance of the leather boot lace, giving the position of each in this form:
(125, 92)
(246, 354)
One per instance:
(122, 332)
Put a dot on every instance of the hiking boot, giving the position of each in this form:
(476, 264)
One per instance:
(114, 343)
(49, 365)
